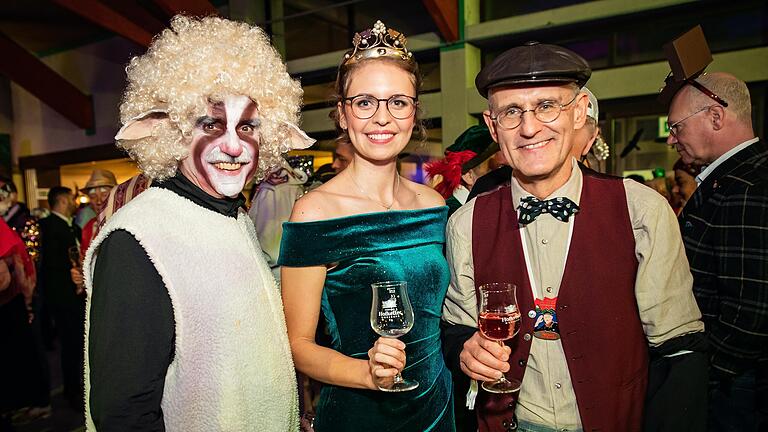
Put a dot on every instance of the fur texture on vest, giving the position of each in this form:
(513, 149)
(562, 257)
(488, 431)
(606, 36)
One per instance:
(232, 368)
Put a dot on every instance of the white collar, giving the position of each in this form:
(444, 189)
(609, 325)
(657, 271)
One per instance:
(711, 167)
(461, 194)
(68, 220)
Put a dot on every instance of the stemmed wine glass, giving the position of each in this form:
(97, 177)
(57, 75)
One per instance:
(499, 320)
(392, 316)
(74, 256)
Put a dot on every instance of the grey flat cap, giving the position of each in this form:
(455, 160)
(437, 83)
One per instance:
(533, 63)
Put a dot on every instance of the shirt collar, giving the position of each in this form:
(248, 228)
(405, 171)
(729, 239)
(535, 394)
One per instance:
(184, 187)
(571, 189)
(461, 194)
(724, 157)
(68, 220)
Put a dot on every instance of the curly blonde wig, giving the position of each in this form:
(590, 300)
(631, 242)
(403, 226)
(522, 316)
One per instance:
(198, 61)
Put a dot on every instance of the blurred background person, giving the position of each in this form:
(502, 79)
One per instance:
(342, 155)
(272, 205)
(59, 251)
(97, 188)
(18, 216)
(19, 377)
(684, 184)
(471, 156)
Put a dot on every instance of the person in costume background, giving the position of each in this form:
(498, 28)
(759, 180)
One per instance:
(368, 225)
(17, 340)
(184, 321)
(471, 156)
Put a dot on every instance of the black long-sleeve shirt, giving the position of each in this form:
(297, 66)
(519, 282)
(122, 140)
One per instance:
(131, 337)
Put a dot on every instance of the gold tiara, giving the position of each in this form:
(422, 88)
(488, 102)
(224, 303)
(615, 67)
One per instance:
(378, 41)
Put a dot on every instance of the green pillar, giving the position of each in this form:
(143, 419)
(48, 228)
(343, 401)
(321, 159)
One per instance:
(260, 12)
(459, 64)
(278, 26)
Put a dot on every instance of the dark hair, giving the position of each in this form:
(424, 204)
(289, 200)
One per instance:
(342, 82)
(55, 192)
(8, 184)
(692, 170)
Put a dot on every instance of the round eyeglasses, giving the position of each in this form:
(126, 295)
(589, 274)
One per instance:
(545, 112)
(364, 106)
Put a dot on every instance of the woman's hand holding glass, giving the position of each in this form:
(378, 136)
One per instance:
(386, 359)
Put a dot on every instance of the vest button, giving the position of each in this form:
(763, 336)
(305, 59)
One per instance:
(521, 363)
(527, 337)
(531, 313)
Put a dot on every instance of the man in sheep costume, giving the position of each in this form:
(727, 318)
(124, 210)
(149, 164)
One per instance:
(185, 326)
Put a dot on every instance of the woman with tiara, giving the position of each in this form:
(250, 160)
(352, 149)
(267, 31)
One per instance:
(369, 225)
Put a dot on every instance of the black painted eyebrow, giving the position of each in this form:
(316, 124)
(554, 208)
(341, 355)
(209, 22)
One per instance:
(255, 123)
(206, 120)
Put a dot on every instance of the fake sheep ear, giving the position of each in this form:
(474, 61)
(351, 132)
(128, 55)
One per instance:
(142, 125)
(298, 138)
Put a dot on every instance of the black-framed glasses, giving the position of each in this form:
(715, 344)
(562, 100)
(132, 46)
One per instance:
(674, 127)
(545, 112)
(364, 106)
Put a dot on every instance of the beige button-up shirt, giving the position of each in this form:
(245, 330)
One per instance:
(665, 301)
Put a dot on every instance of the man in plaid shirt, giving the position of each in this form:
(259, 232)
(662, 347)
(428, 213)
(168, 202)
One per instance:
(725, 231)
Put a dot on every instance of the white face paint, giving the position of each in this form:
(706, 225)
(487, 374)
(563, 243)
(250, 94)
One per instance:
(224, 153)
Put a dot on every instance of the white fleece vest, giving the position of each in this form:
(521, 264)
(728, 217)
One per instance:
(232, 368)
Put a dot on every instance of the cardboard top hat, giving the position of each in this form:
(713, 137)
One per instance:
(688, 55)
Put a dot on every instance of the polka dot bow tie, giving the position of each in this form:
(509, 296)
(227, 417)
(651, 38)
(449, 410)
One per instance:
(560, 208)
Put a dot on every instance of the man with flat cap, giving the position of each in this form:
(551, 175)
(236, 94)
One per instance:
(550, 231)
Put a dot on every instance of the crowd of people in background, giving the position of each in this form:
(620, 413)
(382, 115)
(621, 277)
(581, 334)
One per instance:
(177, 306)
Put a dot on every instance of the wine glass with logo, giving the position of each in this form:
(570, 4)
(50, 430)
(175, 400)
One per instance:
(499, 320)
(392, 316)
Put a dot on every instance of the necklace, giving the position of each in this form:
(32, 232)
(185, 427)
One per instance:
(394, 192)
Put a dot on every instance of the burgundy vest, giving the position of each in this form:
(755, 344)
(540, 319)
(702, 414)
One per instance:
(600, 328)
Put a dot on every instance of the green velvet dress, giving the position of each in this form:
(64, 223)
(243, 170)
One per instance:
(359, 250)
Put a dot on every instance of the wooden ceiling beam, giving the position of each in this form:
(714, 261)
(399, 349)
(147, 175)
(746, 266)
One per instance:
(136, 13)
(445, 13)
(28, 71)
(102, 15)
(187, 7)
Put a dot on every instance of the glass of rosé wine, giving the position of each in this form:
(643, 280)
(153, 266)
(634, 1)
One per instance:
(499, 320)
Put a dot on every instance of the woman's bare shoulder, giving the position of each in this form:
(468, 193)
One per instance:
(329, 200)
(424, 196)
(310, 207)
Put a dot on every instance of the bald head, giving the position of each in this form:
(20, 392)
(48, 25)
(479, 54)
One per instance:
(731, 89)
(701, 129)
